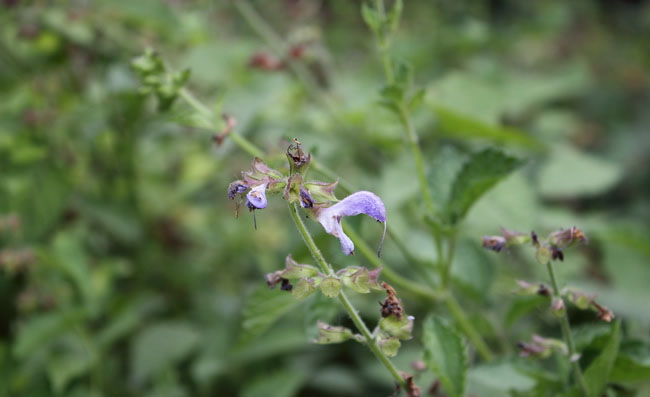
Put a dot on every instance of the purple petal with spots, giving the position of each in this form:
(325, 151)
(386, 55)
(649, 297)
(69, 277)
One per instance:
(357, 203)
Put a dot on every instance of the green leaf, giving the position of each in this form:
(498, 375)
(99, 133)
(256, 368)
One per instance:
(483, 170)
(632, 363)
(444, 354)
(280, 383)
(371, 18)
(160, 346)
(458, 125)
(497, 380)
(597, 375)
(263, 308)
(569, 173)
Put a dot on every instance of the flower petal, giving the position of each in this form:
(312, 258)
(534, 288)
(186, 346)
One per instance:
(357, 203)
(257, 197)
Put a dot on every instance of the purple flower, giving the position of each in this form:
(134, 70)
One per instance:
(257, 197)
(357, 203)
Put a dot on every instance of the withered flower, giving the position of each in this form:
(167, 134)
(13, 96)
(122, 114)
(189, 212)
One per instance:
(495, 243)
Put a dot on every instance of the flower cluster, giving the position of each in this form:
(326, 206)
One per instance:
(315, 196)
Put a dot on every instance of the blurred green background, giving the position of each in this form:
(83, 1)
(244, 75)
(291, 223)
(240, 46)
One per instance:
(123, 270)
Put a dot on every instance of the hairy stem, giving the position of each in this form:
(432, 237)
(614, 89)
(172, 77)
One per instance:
(349, 308)
(566, 331)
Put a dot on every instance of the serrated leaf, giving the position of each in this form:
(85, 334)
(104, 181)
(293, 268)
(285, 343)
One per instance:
(597, 375)
(263, 308)
(444, 354)
(480, 173)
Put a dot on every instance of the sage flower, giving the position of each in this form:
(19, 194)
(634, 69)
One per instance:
(257, 197)
(362, 202)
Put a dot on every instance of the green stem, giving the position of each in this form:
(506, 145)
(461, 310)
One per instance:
(352, 312)
(566, 331)
(414, 144)
(266, 32)
(468, 329)
(392, 276)
(451, 250)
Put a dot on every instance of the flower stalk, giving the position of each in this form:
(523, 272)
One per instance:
(349, 308)
(566, 331)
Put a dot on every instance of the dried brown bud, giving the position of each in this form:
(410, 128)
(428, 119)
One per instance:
(391, 305)
(604, 313)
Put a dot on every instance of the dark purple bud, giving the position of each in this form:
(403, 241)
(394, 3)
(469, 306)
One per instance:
(305, 199)
(556, 253)
(534, 238)
(235, 188)
(257, 197)
(495, 243)
(357, 203)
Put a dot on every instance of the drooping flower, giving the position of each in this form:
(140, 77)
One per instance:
(362, 202)
(257, 197)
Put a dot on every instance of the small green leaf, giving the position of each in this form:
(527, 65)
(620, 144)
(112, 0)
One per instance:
(403, 75)
(303, 288)
(479, 174)
(394, 15)
(598, 373)
(390, 346)
(371, 18)
(401, 329)
(330, 287)
(444, 354)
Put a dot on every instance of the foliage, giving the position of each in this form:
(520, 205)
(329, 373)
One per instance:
(126, 270)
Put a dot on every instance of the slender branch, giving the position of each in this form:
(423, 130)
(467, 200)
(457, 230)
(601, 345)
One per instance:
(387, 272)
(352, 312)
(267, 33)
(566, 331)
(466, 326)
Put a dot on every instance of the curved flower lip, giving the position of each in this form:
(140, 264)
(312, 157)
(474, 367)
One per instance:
(257, 197)
(362, 202)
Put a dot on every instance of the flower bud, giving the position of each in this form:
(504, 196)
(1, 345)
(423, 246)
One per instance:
(564, 238)
(495, 243)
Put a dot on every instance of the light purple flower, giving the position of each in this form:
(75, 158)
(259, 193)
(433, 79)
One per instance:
(357, 203)
(257, 197)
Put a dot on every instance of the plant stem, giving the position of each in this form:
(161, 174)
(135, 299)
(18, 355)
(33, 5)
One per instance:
(566, 331)
(266, 32)
(414, 144)
(352, 312)
(392, 276)
(466, 326)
